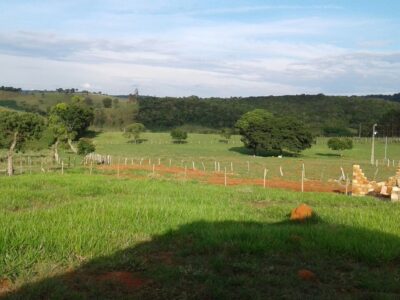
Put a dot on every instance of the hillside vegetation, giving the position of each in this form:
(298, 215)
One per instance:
(324, 115)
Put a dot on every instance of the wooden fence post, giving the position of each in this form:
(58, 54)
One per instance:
(265, 177)
(225, 177)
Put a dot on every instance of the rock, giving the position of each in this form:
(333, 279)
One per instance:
(395, 196)
(301, 213)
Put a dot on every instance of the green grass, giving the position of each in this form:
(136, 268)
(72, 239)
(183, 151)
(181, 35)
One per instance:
(189, 240)
(320, 162)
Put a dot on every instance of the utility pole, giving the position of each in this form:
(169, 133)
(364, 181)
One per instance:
(373, 144)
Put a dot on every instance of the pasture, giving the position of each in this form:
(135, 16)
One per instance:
(144, 229)
(205, 157)
(86, 237)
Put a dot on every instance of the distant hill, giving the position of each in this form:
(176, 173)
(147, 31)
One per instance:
(326, 115)
(120, 113)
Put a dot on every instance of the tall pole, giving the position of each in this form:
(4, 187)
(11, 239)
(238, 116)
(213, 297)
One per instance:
(373, 145)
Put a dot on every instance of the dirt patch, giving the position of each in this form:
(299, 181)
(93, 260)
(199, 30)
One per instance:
(218, 178)
(125, 279)
(5, 285)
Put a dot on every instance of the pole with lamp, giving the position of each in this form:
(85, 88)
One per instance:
(373, 144)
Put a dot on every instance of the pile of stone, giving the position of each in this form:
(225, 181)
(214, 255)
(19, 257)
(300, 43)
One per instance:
(361, 186)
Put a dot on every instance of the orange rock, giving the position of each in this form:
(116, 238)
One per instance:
(301, 213)
(307, 275)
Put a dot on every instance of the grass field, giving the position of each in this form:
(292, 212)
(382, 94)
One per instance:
(320, 162)
(86, 237)
(206, 151)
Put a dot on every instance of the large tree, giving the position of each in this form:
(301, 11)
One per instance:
(69, 121)
(15, 130)
(261, 130)
(134, 130)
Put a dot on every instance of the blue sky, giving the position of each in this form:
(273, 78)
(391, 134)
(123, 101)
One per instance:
(204, 48)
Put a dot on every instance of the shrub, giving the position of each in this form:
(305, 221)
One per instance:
(178, 135)
(85, 146)
(339, 144)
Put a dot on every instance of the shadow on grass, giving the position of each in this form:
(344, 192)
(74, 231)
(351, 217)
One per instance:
(137, 141)
(246, 151)
(328, 154)
(91, 134)
(238, 260)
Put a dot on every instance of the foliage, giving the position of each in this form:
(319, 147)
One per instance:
(85, 146)
(261, 130)
(318, 111)
(134, 130)
(336, 131)
(389, 124)
(339, 144)
(179, 135)
(10, 89)
(226, 133)
(107, 102)
(70, 120)
(19, 128)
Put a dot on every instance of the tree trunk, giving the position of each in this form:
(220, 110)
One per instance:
(72, 146)
(10, 166)
(56, 156)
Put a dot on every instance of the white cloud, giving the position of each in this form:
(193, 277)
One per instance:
(207, 59)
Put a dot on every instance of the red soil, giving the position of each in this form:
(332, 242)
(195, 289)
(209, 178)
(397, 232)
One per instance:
(5, 285)
(217, 178)
(126, 279)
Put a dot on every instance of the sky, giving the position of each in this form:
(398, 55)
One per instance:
(206, 48)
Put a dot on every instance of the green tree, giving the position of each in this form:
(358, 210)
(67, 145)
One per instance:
(134, 130)
(85, 146)
(179, 135)
(261, 130)
(15, 130)
(340, 144)
(107, 102)
(256, 128)
(69, 121)
(226, 134)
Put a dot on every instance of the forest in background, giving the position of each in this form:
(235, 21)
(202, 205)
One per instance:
(324, 115)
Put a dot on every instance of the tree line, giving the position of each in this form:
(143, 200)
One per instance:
(325, 115)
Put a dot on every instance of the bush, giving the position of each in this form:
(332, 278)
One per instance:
(339, 144)
(85, 146)
(178, 135)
